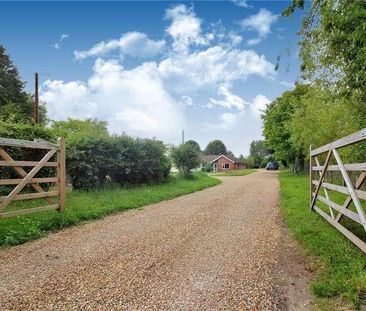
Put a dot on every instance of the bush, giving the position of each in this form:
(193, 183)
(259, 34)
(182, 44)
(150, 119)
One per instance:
(91, 161)
(249, 162)
(88, 161)
(185, 158)
(140, 161)
(25, 131)
(75, 129)
(207, 168)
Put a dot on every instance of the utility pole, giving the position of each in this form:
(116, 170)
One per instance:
(182, 136)
(36, 100)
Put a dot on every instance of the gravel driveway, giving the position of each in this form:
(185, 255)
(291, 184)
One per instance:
(223, 248)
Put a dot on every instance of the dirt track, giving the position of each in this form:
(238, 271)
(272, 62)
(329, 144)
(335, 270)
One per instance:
(224, 248)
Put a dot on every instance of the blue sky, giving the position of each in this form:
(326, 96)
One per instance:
(152, 68)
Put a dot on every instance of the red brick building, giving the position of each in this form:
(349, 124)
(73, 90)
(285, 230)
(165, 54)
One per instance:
(223, 162)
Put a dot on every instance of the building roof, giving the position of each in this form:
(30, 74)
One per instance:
(207, 157)
(211, 158)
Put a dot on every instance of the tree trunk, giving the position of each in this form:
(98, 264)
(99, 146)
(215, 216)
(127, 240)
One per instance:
(299, 163)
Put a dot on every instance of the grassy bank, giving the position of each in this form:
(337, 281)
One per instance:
(236, 173)
(83, 206)
(340, 267)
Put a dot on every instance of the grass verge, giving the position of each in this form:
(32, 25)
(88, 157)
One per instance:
(83, 206)
(340, 267)
(236, 173)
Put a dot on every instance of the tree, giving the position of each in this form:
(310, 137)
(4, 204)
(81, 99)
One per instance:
(11, 86)
(319, 117)
(278, 118)
(259, 152)
(249, 161)
(194, 144)
(15, 104)
(332, 102)
(73, 128)
(332, 49)
(185, 158)
(215, 147)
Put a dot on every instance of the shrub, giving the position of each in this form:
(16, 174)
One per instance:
(92, 155)
(25, 131)
(88, 161)
(140, 161)
(185, 158)
(207, 168)
(75, 129)
(124, 159)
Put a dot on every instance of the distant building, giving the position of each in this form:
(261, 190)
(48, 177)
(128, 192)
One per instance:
(221, 163)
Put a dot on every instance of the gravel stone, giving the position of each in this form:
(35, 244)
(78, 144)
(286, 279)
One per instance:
(217, 249)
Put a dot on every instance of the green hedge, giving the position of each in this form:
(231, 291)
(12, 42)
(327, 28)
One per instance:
(92, 162)
(25, 131)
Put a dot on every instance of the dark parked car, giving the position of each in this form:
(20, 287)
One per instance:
(272, 166)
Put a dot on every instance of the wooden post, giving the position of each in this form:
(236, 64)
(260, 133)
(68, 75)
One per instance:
(311, 177)
(61, 174)
(36, 100)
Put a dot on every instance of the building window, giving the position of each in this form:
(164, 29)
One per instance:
(225, 166)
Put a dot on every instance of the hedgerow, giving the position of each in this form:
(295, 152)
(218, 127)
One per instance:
(93, 162)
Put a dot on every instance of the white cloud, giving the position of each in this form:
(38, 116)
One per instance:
(259, 104)
(135, 44)
(185, 28)
(213, 66)
(186, 100)
(134, 100)
(226, 122)
(241, 3)
(261, 23)
(227, 100)
(57, 45)
(196, 70)
(223, 36)
(287, 84)
(235, 38)
(65, 100)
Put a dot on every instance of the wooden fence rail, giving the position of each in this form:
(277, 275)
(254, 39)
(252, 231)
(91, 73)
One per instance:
(353, 191)
(54, 198)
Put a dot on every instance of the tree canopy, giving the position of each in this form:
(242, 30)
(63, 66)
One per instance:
(15, 104)
(194, 144)
(259, 152)
(329, 103)
(185, 158)
(11, 86)
(333, 49)
(73, 128)
(216, 147)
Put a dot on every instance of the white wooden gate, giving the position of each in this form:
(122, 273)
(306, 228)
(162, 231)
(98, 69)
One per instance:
(55, 198)
(353, 191)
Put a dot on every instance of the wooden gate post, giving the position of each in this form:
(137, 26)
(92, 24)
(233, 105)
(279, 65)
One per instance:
(61, 173)
(311, 176)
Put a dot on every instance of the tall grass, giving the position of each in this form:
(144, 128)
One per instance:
(340, 269)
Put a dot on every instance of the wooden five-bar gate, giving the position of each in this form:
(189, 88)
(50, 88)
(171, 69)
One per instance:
(353, 191)
(55, 197)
